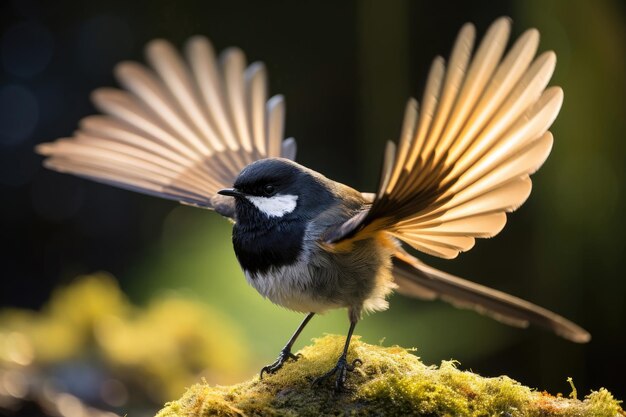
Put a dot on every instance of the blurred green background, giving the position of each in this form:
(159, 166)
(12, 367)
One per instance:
(346, 69)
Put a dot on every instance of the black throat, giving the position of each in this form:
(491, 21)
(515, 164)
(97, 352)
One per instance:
(261, 243)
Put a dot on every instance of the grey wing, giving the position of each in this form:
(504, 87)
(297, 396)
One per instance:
(416, 279)
(181, 129)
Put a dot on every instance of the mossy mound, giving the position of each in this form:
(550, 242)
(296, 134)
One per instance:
(391, 381)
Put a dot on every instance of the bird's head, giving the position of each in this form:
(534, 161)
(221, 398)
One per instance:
(276, 189)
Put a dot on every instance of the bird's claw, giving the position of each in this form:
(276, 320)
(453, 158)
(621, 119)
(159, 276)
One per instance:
(283, 357)
(341, 370)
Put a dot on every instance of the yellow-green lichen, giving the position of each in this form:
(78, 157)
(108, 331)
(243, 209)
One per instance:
(391, 381)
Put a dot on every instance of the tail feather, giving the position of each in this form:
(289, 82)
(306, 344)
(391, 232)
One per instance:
(416, 279)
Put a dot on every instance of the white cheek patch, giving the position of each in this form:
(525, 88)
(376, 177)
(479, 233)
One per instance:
(275, 206)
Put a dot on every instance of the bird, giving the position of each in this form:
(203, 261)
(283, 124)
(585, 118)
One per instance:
(202, 130)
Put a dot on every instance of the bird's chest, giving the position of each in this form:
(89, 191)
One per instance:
(260, 249)
(290, 286)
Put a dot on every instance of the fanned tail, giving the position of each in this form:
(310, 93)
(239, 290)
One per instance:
(416, 279)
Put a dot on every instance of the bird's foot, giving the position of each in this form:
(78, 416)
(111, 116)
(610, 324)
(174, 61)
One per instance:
(283, 357)
(341, 370)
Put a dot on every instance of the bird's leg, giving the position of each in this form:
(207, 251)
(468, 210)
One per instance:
(286, 354)
(342, 366)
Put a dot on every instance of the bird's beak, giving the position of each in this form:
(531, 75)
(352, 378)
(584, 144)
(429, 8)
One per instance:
(232, 192)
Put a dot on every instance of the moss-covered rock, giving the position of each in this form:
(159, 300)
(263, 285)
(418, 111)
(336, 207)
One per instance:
(391, 381)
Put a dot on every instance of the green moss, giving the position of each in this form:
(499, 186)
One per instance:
(391, 381)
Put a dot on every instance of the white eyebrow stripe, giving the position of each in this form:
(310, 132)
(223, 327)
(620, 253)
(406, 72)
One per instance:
(275, 206)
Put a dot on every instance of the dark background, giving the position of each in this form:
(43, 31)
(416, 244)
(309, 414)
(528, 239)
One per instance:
(346, 69)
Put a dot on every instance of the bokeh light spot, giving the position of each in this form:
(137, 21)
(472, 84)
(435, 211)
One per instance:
(68, 405)
(114, 393)
(19, 113)
(14, 383)
(27, 48)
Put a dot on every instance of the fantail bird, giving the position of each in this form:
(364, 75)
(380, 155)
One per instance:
(186, 130)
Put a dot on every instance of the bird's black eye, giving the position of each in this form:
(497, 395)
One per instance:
(269, 190)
